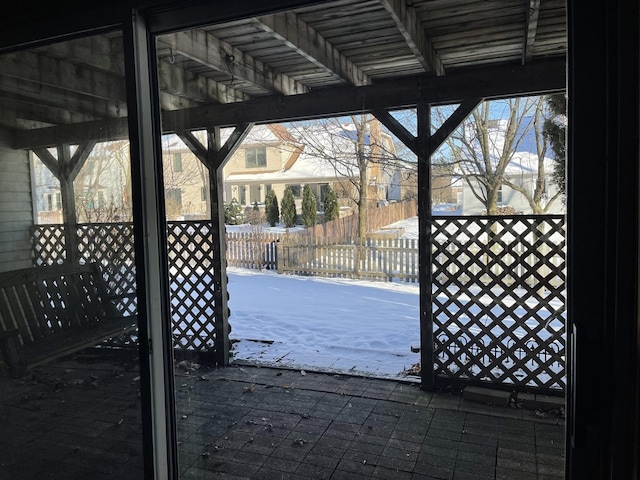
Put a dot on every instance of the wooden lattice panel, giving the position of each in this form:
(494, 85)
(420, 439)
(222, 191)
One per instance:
(49, 244)
(112, 246)
(190, 250)
(499, 299)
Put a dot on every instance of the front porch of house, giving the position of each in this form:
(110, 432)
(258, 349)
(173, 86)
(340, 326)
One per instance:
(81, 418)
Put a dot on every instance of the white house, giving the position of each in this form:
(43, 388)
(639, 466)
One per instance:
(522, 171)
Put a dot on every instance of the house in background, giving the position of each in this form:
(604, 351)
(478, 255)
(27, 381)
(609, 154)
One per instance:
(322, 156)
(522, 171)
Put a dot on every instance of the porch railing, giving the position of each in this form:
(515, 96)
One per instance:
(498, 285)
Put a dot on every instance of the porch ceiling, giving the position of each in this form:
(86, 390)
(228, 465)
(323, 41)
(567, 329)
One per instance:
(282, 66)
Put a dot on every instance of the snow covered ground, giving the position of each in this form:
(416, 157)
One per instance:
(312, 323)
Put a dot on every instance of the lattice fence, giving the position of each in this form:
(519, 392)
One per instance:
(191, 284)
(189, 247)
(498, 286)
(108, 244)
(499, 299)
(49, 244)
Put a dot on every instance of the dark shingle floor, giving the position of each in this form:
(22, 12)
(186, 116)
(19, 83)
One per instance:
(262, 423)
(81, 420)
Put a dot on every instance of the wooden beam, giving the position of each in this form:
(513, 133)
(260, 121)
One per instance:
(307, 42)
(206, 49)
(531, 27)
(439, 137)
(13, 109)
(427, 373)
(70, 167)
(451, 123)
(397, 129)
(96, 51)
(218, 247)
(231, 145)
(177, 81)
(35, 67)
(214, 159)
(109, 129)
(193, 144)
(55, 97)
(456, 87)
(486, 82)
(49, 161)
(409, 24)
(66, 166)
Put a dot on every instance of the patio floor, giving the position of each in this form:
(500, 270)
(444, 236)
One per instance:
(79, 418)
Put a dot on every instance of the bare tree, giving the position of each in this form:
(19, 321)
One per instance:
(360, 155)
(484, 147)
(103, 185)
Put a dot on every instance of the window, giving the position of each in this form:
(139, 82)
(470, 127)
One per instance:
(174, 195)
(203, 194)
(296, 190)
(324, 189)
(499, 199)
(254, 194)
(177, 162)
(255, 157)
(242, 195)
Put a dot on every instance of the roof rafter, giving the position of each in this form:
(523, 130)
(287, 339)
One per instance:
(65, 75)
(487, 82)
(183, 83)
(418, 41)
(531, 27)
(206, 49)
(307, 42)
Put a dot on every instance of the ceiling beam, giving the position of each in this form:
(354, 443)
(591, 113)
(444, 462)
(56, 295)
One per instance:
(64, 75)
(97, 51)
(456, 87)
(177, 81)
(13, 108)
(206, 49)
(409, 24)
(531, 27)
(54, 97)
(307, 42)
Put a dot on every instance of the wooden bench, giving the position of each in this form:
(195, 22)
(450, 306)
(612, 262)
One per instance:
(48, 312)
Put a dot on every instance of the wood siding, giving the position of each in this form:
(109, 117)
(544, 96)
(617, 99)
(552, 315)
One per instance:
(16, 208)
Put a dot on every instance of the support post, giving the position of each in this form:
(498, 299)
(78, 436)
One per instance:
(427, 374)
(218, 234)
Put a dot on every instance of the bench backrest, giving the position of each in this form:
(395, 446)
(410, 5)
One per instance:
(41, 301)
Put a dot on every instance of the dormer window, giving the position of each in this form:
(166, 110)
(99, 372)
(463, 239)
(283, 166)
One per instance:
(255, 157)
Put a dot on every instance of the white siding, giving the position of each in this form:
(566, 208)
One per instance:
(472, 206)
(16, 211)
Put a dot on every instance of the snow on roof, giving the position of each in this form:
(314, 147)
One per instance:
(327, 153)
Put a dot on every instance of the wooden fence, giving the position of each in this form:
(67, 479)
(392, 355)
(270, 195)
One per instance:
(255, 250)
(345, 228)
(391, 259)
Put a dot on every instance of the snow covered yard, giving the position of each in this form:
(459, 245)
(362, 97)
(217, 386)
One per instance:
(313, 323)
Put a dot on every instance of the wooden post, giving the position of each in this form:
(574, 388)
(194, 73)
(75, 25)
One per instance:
(65, 168)
(427, 374)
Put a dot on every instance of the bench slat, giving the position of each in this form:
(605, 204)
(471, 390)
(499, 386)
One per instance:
(71, 341)
(51, 311)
